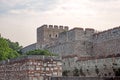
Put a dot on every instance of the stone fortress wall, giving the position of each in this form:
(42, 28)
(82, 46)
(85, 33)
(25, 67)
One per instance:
(30, 47)
(84, 44)
(47, 35)
(107, 42)
(75, 41)
(78, 41)
(31, 68)
(62, 41)
(93, 67)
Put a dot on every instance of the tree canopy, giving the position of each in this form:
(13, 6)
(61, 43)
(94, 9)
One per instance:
(14, 45)
(5, 51)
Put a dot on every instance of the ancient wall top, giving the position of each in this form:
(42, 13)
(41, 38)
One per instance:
(109, 30)
(77, 28)
(45, 26)
(108, 34)
(84, 31)
(35, 57)
(89, 29)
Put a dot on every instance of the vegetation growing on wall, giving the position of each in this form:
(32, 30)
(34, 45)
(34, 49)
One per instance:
(116, 71)
(75, 72)
(14, 45)
(65, 73)
(81, 72)
(96, 70)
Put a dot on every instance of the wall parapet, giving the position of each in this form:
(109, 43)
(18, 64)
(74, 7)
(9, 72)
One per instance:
(45, 26)
(29, 57)
(108, 34)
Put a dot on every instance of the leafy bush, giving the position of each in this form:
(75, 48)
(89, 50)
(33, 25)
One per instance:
(5, 51)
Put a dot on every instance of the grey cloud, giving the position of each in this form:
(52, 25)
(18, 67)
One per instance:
(104, 0)
(36, 5)
(39, 4)
(105, 6)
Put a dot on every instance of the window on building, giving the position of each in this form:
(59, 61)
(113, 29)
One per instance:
(50, 35)
(56, 35)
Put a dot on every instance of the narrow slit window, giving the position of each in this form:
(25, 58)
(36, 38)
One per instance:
(56, 35)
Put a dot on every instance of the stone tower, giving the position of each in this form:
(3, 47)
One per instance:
(48, 34)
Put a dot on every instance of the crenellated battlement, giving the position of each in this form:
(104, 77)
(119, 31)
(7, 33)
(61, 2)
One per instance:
(89, 30)
(66, 28)
(83, 31)
(54, 27)
(47, 34)
(78, 28)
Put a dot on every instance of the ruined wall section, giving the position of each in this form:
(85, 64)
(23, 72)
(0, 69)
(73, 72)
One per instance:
(107, 42)
(31, 68)
(76, 41)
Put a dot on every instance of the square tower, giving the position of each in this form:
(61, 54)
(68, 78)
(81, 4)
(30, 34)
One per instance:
(47, 34)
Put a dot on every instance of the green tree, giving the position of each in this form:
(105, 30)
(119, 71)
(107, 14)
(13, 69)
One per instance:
(14, 45)
(5, 51)
(40, 52)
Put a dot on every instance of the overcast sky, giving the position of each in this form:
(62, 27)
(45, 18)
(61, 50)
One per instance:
(20, 18)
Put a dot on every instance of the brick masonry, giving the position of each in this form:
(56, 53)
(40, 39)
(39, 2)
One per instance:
(30, 68)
